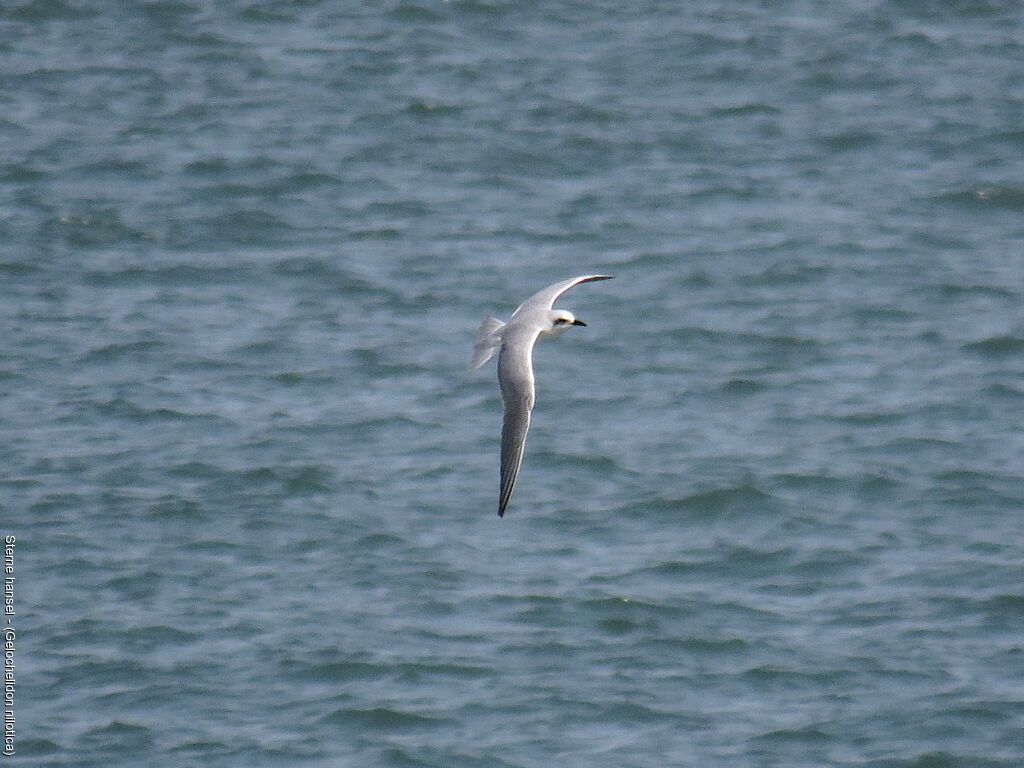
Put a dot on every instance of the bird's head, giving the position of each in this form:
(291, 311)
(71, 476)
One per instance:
(561, 321)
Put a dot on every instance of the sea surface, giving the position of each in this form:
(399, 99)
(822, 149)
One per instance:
(772, 506)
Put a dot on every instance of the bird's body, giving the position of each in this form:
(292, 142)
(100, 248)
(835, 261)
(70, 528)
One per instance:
(514, 342)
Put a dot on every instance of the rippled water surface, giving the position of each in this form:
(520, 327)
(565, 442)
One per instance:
(771, 507)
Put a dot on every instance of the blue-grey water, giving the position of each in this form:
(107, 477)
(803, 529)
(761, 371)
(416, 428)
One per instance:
(772, 507)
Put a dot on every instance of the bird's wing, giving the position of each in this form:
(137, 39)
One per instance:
(513, 442)
(546, 297)
(515, 375)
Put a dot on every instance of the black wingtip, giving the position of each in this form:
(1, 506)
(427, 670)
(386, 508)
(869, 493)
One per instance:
(501, 513)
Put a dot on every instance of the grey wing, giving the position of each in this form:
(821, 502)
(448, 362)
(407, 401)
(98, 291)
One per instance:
(515, 375)
(513, 442)
(546, 297)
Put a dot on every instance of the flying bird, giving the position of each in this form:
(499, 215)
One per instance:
(535, 317)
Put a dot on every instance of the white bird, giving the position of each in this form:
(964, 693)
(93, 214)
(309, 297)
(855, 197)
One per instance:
(534, 318)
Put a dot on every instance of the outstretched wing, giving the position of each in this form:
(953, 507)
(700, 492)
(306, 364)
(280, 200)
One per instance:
(546, 297)
(513, 442)
(515, 375)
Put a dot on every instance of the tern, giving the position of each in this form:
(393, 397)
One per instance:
(533, 319)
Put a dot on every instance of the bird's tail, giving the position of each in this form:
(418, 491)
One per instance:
(488, 339)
